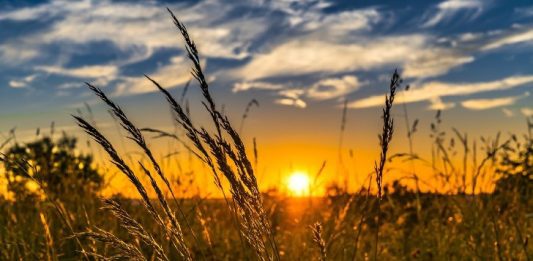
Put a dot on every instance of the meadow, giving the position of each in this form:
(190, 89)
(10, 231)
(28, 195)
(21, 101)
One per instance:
(54, 208)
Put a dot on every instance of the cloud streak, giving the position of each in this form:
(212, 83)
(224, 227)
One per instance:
(484, 104)
(446, 10)
(432, 90)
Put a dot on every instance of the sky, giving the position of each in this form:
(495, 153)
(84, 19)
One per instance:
(301, 60)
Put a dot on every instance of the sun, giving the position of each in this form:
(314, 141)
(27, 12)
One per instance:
(298, 183)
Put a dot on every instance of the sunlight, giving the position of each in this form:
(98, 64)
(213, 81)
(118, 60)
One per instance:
(298, 183)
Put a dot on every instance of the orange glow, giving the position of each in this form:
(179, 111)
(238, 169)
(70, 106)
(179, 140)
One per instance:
(298, 183)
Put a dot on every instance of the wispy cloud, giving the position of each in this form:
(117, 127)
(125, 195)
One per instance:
(292, 97)
(17, 84)
(138, 30)
(13, 54)
(518, 36)
(300, 57)
(436, 103)
(333, 87)
(23, 82)
(244, 86)
(446, 10)
(94, 71)
(138, 26)
(524, 11)
(324, 89)
(170, 75)
(483, 104)
(311, 46)
(432, 90)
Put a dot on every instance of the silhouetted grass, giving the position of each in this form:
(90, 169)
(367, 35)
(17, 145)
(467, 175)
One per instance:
(455, 222)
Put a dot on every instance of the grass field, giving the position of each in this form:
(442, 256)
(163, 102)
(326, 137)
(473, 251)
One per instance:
(55, 210)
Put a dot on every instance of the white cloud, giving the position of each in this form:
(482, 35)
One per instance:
(436, 103)
(291, 97)
(94, 71)
(142, 28)
(448, 9)
(319, 43)
(483, 104)
(13, 53)
(435, 62)
(244, 86)
(303, 56)
(310, 16)
(432, 90)
(17, 84)
(137, 29)
(510, 38)
(22, 83)
(292, 93)
(291, 102)
(339, 23)
(333, 87)
(70, 85)
(43, 11)
(170, 75)
(324, 89)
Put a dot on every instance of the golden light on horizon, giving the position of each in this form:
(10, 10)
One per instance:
(298, 183)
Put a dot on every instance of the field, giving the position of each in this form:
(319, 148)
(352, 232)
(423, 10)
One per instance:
(55, 210)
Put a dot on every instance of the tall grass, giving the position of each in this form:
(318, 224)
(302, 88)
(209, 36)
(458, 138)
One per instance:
(457, 223)
(223, 151)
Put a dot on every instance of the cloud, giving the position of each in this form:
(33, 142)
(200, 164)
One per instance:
(267, 39)
(14, 54)
(244, 86)
(438, 104)
(528, 112)
(446, 10)
(22, 83)
(142, 28)
(510, 38)
(43, 11)
(339, 23)
(483, 104)
(70, 85)
(94, 71)
(175, 73)
(17, 84)
(324, 89)
(291, 97)
(432, 90)
(299, 57)
(435, 62)
(138, 30)
(310, 16)
(333, 87)
(291, 102)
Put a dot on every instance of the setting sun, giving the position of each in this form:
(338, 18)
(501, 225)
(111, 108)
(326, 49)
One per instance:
(246, 130)
(298, 183)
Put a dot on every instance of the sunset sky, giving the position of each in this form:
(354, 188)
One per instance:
(300, 60)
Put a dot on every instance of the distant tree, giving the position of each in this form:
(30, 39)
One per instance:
(55, 165)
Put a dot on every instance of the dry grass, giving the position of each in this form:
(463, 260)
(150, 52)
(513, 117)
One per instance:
(398, 223)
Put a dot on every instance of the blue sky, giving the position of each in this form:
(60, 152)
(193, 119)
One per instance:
(471, 58)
